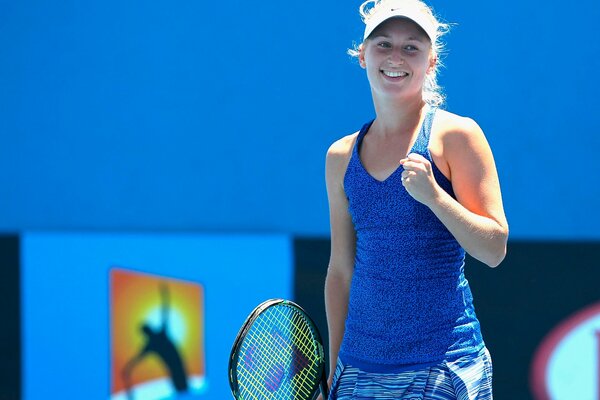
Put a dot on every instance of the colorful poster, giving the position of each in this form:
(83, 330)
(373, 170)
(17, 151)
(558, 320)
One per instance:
(157, 336)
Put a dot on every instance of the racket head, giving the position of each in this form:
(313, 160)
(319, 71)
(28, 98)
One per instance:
(277, 354)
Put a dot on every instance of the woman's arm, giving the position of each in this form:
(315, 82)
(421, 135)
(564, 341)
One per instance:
(476, 218)
(343, 244)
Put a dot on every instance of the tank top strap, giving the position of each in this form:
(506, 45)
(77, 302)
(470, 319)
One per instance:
(421, 145)
(363, 131)
(428, 123)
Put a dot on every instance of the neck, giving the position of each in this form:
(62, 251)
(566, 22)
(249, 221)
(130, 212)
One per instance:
(397, 117)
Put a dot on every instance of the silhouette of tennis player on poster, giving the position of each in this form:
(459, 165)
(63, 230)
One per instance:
(159, 343)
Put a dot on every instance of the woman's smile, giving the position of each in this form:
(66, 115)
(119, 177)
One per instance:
(395, 76)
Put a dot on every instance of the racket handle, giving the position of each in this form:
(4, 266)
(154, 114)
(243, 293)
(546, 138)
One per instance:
(324, 390)
(324, 387)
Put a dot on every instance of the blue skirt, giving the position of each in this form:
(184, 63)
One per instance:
(466, 378)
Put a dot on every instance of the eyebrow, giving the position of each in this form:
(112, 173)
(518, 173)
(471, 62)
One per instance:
(383, 35)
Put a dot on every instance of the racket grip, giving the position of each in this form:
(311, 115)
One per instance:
(324, 387)
(324, 390)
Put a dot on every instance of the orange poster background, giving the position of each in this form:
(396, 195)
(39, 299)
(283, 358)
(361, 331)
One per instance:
(134, 297)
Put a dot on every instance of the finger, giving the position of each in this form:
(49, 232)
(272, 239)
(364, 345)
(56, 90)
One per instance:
(407, 175)
(411, 165)
(417, 157)
(420, 160)
(414, 166)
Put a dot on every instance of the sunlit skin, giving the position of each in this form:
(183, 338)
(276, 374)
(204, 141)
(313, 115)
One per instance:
(458, 148)
(397, 46)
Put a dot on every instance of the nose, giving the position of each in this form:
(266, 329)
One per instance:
(396, 57)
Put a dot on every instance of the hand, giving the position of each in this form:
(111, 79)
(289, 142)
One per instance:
(418, 178)
(329, 381)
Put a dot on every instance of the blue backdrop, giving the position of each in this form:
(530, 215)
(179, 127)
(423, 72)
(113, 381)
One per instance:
(191, 115)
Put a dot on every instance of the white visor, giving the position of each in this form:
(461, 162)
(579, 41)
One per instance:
(398, 9)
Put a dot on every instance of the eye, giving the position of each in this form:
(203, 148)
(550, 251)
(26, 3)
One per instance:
(410, 47)
(384, 45)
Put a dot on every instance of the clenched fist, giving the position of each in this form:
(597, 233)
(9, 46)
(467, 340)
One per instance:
(418, 178)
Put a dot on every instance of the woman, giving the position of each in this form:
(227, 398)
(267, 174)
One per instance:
(408, 195)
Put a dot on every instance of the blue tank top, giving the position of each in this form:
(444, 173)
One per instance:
(410, 303)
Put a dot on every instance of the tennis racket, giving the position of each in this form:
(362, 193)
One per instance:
(277, 355)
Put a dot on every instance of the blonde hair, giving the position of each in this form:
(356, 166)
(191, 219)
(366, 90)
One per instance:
(432, 91)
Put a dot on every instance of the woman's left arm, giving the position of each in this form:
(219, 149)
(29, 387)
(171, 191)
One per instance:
(476, 218)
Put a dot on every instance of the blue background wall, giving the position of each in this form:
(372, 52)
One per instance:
(212, 116)
(163, 117)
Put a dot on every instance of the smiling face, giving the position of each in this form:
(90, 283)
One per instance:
(397, 57)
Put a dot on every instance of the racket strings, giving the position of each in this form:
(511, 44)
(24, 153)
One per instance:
(264, 334)
(254, 377)
(307, 345)
(279, 357)
(276, 336)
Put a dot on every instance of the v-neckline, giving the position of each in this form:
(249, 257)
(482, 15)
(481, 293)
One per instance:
(360, 138)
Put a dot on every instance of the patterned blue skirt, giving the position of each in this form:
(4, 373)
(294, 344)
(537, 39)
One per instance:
(467, 378)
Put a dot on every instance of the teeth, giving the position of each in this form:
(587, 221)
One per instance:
(394, 74)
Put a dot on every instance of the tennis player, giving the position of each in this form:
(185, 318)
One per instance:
(409, 194)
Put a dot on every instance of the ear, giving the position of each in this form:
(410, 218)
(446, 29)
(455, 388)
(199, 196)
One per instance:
(433, 59)
(361, 55)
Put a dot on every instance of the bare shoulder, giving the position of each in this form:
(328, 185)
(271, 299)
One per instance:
(338, 154)
(466, 151)
(454, 137)
(342, 147)
(453, 127)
